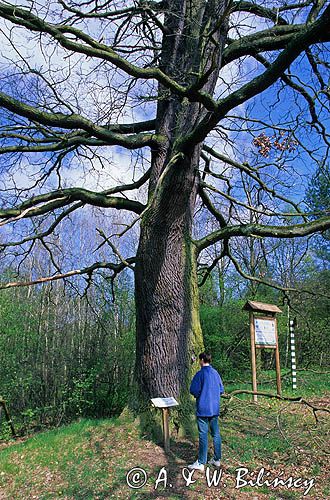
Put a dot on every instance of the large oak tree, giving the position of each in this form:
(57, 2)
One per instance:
(201, 73)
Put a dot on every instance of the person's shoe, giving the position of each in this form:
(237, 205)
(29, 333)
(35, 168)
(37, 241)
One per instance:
(214, 462)
(196, 465)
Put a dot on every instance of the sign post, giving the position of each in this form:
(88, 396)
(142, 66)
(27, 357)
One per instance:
(263, 333)
(165, 404)
(166, 429)
(253, 357)
(293, 355)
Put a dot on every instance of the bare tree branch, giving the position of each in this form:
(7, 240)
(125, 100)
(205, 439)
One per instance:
(259, 230)
(75, 121)
(297, 399)
(308, 35)
(258, 10)
(41, 204)
(86, 270)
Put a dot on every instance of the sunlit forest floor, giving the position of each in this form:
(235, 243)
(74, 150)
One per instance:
(90, 459)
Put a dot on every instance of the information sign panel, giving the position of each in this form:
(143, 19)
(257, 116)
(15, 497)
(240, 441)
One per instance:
(265, 332)
(164, 402)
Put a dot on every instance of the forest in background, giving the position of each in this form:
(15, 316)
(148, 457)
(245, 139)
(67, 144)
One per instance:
(68, 350)
(175, 113)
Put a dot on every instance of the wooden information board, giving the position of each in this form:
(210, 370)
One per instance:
(165, 404)
(263, 333)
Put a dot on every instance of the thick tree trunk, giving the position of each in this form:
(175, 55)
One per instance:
(167, 304)
(169, 334)
(166, 293)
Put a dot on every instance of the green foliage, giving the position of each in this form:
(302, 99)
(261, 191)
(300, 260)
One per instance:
(5, 431)
(318, 191)
(226, 326)
(225, 331)
(318, 199)
(79, 397)
(62, 356)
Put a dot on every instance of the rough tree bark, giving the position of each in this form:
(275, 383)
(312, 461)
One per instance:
(166, 292)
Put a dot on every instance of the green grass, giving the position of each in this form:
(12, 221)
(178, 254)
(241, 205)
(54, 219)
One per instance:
(89, 458)
(59, 450)
(308, 383)
(326, 492)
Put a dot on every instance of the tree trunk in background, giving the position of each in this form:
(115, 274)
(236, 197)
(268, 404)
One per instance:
(166, 293)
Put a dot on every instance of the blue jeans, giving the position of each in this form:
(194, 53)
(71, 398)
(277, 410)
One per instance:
(203, 429)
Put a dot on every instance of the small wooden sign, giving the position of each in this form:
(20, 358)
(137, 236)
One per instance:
(165, 404)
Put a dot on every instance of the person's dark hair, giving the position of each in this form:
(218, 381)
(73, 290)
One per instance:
(206, 357)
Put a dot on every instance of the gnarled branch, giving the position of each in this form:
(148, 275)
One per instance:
(289, 231)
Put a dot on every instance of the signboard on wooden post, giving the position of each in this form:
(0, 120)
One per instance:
(263, 333)
(165, 404)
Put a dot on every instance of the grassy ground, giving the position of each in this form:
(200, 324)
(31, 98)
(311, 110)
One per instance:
(90, 459)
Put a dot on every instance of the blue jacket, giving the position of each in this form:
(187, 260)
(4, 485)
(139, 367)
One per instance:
(207, 387)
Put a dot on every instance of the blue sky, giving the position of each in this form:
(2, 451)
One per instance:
(289, 172)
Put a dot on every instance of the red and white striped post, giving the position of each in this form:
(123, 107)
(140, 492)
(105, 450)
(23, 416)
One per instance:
(293, 355)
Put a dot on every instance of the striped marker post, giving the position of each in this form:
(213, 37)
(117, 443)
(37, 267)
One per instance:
(293, 355)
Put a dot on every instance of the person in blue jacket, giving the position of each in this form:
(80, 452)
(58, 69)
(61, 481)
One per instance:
(206, 387)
